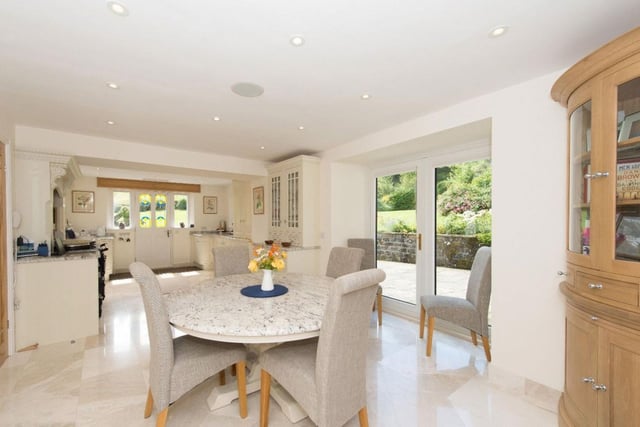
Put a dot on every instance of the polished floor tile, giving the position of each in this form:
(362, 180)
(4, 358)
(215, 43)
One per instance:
(102, 380)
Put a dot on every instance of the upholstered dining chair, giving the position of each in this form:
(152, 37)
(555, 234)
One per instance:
(471, 312)
(178, 365)
(369, 261)
(344, 261)
(231, 260)
(327, 376)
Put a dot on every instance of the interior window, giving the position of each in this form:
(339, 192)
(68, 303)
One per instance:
(161, 210)
(144, 208)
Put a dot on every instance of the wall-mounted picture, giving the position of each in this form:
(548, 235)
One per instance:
(209, 204)
(258, 200)
(83, 202)
(630, 127)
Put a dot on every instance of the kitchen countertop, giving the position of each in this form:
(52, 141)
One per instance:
(75, 255)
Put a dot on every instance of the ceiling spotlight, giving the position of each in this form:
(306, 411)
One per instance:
(111, 122)
(262, 147)
(296, 41)
(216, 118)
(112, 85)
(365, 96)
(300, 127)
(117, 8)
(498, 31)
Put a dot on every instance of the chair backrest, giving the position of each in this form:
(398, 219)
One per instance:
(342, 347)
(369, 246)
(479, 285)
(344, 261)
(160, 338)
(231, 260)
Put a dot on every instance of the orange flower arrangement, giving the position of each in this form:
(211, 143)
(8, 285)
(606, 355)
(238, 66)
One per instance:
(272, 259)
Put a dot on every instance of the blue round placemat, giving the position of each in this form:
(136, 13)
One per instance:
(255, 291)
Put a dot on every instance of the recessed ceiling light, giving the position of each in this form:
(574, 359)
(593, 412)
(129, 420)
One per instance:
(262, 147)
(300, 127)
(111, 122)
(498, 31)
(296, 41)
(247, 89)
(365, 96)
(216, 118)
(117, 8)
(112, 85)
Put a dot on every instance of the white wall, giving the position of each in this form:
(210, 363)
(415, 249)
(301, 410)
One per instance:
(528, 161)
(212, 221)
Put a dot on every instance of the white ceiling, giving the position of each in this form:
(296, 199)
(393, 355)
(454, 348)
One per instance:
(175, 62)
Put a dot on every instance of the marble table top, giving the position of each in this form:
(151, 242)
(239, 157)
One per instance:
(216, 310)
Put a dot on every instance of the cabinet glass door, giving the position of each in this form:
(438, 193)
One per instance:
(627, 225)
(580, 180)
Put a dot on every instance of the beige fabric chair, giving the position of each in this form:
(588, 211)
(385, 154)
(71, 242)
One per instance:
(327, 376)
(344, 261)
(231, 260)
(471, 312)
(178, 365)
(369, 261)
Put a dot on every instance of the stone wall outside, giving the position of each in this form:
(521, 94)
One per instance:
(454, 251)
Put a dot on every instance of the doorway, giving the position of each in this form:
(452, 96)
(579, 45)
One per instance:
(409, 225)
(153, 235)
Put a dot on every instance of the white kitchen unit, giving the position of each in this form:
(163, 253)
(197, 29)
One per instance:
(180, 247)
(204, 243)
(108, 242)
(293, 201)
(56, 299)
(124, 250)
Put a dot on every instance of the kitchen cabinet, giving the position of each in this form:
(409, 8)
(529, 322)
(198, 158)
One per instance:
(56, 299)
(293, 198)
(180, 247)
(108, 242)
(124, 250)
(204, 243)
(602, 286)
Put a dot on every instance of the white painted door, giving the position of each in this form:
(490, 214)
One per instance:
(153, 235)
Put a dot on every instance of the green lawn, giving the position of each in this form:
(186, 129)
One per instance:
(387, 219)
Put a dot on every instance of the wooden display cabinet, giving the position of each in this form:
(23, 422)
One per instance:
(602, 359)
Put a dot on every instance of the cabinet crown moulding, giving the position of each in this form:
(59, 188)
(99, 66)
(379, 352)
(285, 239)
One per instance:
(598, 61)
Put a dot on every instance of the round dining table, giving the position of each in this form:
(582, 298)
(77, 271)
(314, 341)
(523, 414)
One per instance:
(216, 310)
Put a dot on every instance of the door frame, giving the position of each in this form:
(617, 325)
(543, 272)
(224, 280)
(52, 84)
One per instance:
(4, 288)
(425, 167)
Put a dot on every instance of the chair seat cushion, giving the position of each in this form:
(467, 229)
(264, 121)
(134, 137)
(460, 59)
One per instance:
(293, 366)
(452, 309)
(196, 359)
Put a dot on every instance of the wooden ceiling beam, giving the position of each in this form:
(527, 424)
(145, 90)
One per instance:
(148, 185)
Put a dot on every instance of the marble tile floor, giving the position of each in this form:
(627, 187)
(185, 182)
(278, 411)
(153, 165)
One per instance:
(102, 380)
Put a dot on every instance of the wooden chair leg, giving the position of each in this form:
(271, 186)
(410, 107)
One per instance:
(265, 390)
(474, 338)
(149, 406)
(423, 314)
(161, 421)
(430, 323)
(241, 373)
(233, 370)
(364, 418)
(379, 308)
(487, 349)
(222, 377)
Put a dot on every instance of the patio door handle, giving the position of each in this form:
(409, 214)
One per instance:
(419, 241)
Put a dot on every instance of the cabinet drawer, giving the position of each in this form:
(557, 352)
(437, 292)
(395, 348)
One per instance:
(609, 291)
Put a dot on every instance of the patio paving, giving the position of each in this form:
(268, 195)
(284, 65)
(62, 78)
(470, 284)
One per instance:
(400, 283)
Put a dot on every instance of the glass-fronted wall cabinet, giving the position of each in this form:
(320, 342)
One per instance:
(293, 198)
(602, 282)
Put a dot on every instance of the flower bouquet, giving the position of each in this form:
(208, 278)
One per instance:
(267, 260)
